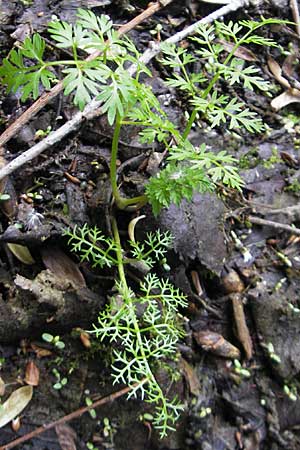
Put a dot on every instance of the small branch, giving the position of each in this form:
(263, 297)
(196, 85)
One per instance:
(275, 225)
(241, 324)
(295, 11)
(92, 109)
(68, 417)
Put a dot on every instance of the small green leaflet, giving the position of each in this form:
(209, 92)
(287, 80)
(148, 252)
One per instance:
(67, 35)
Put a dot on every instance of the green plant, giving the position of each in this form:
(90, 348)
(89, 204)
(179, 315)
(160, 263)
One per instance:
(92, 412)
(142, 324)
(54, 340)
(4, 197)
(60, 381)
(291, 392)
(238, 368)
(129, 102)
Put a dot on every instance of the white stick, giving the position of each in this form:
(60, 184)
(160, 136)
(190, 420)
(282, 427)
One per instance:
(92, 109)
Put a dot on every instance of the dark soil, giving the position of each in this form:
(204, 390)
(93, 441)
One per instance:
(237, 263)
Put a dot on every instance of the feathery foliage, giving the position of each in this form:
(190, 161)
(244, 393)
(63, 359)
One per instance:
(143, 326)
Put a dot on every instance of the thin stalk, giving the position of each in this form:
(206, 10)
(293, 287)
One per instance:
(138, 332)
(121, 202)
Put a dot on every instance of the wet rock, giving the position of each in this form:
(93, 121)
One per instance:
(197, 230)
(278, 324)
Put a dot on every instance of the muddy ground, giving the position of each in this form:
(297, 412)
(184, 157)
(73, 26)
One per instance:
(241, 265)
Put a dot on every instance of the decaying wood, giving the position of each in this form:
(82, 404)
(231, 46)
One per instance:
(242, 330)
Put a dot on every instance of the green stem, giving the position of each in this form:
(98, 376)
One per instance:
(121, 202)
(149, 377)
(189, 124)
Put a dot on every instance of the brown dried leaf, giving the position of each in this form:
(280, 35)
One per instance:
(276, 71)
(289, 160)
(241, 325)
(197, 283)
(21, 253)
(290, 96)
(288, 66)
(2, 387)
(16, 424)
(241, 52)
(232, 282)
(216, 344)
(40, 351)
(32, 374)
(190, 377)
(85, 339)
(63, 267)
(66, 437)
(15, 404)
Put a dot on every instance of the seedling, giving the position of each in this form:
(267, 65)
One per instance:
(291, 392)
(92, 412)
(4, 197)
(60, 382)
(90, 446)
(238, 368)
(54, 340)
(40, 134)
(272, 354)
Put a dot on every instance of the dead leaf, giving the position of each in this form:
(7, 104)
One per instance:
(2, 387)
(276, 71)
(16, 424)
(40, 351)
(66, 437)
(289, 160)
(190, 377)
(241, 52)
(85, 339)
(290, 96)
(232, 282)
(215, 343)
(15, 404)
(21, 253)
(32, 374)
(63, 267)
(9, 206)
(288, 66)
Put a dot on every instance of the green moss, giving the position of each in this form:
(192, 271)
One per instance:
(294, 187)
(274, 159)
(250, 159)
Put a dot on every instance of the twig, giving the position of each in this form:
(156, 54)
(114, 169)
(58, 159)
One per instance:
(47, 96)
(71, 416)
(92, 109)
(276, 225)
(295, 11)
(241, 324)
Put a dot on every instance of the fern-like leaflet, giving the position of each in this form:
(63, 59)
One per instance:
(143, 325)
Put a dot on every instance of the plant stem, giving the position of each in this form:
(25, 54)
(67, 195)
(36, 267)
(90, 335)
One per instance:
(127, 297)
(189, 124)
(121, 202)
(194, 112)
